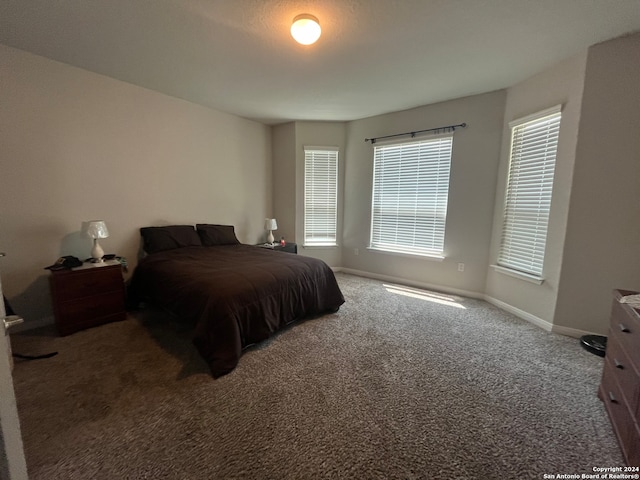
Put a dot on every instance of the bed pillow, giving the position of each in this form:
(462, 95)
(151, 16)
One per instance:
(212, 235)
(158, 239)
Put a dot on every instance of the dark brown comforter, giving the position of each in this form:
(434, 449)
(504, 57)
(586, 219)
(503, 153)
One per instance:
(236, 295)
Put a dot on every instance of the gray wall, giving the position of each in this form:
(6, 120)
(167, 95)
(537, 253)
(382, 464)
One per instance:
(78, 146)
(284, 180)
(592, 247)
(289, 141)
(594, 233)
(320, 134)
(561, 84)
(602, 245)
(474, 165)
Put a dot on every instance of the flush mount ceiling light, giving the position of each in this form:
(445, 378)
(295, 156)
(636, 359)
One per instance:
(305, 29)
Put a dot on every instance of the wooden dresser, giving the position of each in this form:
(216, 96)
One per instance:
(620, 386)
(88, 296)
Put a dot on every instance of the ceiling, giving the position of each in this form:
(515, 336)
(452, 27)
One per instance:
(374, 56)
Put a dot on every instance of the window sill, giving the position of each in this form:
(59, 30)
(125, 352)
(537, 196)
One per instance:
(316, 247)
(432, 257)
(516, 274)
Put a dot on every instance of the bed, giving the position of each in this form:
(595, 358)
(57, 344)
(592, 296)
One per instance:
(235, 295)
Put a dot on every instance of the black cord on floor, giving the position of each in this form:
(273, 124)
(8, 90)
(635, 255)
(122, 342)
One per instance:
(35, 357)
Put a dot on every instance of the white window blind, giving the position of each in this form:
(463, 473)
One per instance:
(410, 194)
(534, 143)
(320, 196)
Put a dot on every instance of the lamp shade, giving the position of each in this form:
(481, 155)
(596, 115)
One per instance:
(305, 29)
(270, 224)
(97, 229)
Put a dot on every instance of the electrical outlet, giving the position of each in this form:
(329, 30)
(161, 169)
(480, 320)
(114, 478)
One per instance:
(356, 251)
(461, 267)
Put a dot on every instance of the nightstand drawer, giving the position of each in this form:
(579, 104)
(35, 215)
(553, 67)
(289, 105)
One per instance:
(88, 296)
(83, 283)
(91, 311)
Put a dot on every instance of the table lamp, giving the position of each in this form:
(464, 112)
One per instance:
(271, 225)
(97, 229)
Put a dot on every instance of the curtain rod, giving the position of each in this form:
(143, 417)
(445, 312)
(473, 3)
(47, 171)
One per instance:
(450, 128)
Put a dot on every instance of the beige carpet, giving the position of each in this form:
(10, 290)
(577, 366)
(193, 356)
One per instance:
(399, 384)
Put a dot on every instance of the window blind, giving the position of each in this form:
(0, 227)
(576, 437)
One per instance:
(534, 144)
(320, 196)
(410, 194)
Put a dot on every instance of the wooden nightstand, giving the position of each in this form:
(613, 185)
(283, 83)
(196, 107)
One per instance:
(289, 247)
(88, 296)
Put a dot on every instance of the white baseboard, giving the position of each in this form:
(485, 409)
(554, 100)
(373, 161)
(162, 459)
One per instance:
(537, 321)
(520, 313)
(571, 332)
(410, 283)
(549, 327)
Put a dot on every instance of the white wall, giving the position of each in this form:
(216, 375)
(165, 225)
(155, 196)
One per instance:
(561, 84)
(476, 152)
(289, 141)
(320, 134)
(78, 146)
(602, 247)
(284, 180)
(592, 247)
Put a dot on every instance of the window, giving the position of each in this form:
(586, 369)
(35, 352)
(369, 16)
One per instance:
(410, 193)
(320, 196)
(534, 143)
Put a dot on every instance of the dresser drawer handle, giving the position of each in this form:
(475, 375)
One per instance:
(612, 397)
(623, 328)
(618, 364)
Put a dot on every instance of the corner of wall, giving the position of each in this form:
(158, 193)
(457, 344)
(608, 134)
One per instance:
(601, 247)
(561, 84)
